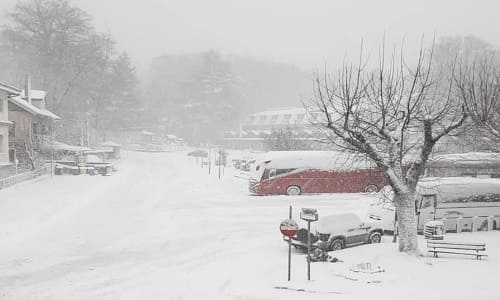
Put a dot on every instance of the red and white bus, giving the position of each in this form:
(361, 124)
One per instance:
(304, 172)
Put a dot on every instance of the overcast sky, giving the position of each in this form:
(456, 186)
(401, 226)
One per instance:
(307, 33)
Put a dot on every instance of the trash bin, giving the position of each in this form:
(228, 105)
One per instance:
(434, 230)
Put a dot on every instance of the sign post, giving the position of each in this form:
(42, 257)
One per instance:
(289, 228)
(309, 215)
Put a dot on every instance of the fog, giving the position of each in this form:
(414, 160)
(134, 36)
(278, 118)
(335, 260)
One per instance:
(150, 148)
(303, 33)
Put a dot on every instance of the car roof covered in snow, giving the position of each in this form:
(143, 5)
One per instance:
(337, 223)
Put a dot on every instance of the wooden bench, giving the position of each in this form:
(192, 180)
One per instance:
(436, 247)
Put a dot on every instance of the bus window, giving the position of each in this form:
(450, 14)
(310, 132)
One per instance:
(428, 201)
(283, 171)
(265, 175)
(268, 174)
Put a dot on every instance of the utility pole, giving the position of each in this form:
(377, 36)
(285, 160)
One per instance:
(81, 135)
(219, 159)
(52, 150)
(87, 131)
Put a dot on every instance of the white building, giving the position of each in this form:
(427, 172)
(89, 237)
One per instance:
(255, 128)
(6, 162)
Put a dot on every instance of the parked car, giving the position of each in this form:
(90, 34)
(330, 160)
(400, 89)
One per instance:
(335, 232)
(247, 165)
(198, 153)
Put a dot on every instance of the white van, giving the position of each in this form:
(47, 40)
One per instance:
(463, 203)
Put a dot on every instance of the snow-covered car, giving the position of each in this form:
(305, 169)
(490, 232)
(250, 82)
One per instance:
(335, 232)
(198, 153)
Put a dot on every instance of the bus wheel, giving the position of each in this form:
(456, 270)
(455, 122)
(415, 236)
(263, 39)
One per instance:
(293, 190)
(371, 188)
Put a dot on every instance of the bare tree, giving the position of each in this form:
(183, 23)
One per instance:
(394, 115)
(86, 78)
(283, 139)
(478, 83)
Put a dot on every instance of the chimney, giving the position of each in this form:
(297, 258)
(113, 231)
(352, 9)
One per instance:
(27, 89)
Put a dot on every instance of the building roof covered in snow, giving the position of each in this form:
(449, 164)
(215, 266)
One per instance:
(37, 109)
(285, 116)
(9, 89)
(59, 146)
(468, 157)
(480, 164)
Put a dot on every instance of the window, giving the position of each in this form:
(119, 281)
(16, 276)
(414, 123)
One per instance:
(265, 175)
(287, 118)
(12, 156)
(428, 201)
(1, 105)
(268, 174)
(12, 130)
(300, 118)
(283, 171)
(1, 143)
(274, 119)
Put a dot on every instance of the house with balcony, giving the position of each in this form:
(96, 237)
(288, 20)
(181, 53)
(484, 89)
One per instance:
(32, 124)
(7, 159)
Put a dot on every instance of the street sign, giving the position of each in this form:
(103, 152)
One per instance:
(289, 227)
(309, 214)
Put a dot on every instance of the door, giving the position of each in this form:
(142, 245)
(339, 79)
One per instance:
(426, 209)
(357, 235)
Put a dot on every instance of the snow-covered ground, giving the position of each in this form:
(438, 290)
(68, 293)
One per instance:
(162, 228)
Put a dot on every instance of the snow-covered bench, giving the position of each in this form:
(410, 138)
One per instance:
(436, 247)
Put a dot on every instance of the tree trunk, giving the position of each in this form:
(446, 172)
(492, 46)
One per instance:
(407, 223)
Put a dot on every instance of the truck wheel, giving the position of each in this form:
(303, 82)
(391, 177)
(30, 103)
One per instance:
(293, 190)
(337, 244)
(371, 188)
(375, 238)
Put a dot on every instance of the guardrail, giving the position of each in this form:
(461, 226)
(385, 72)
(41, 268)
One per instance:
(13, 180)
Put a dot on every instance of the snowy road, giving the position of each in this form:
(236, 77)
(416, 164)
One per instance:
(162, 228)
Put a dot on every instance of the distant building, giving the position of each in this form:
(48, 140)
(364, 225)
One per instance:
(470, 164)
(7, 159)
(255, 128)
